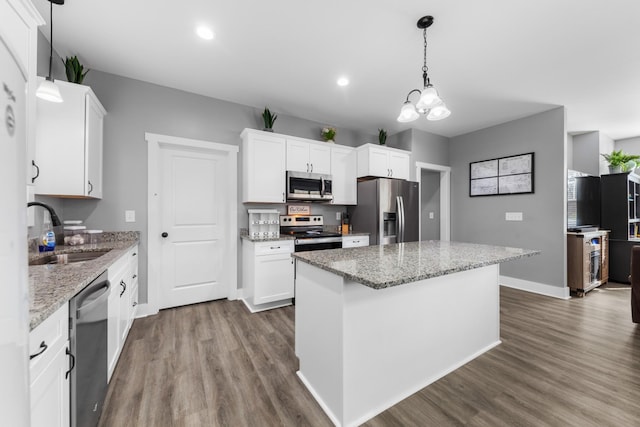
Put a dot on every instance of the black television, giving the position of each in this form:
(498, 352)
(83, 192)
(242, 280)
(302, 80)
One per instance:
(583, 201)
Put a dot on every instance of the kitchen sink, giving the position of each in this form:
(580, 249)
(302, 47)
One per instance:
(68, 258)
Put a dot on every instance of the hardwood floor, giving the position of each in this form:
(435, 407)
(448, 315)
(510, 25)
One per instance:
(561, 363)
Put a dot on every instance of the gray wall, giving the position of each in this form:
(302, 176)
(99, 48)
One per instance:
(482, 219)
(569, 151)
(135, 107)
(430, 198)
(424, 146)
(628, 145)
(586, 150)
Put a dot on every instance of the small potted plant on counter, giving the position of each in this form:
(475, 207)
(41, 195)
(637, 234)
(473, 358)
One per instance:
(74, 69)
(382, 136)
(269, 119)
(620, 161)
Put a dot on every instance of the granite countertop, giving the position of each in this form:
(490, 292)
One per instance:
(385, 266)
(244, 234)
(53, 285)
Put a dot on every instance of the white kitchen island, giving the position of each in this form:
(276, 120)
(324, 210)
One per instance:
(376, 324)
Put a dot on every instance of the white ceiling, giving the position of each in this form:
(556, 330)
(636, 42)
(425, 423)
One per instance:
(491, 60)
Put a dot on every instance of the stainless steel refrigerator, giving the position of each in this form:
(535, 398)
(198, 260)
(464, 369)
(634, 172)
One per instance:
(387, 209)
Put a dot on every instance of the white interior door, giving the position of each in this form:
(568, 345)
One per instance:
(194, 218)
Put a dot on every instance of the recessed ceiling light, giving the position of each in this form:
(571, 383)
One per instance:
(204, 32)
(343, 81)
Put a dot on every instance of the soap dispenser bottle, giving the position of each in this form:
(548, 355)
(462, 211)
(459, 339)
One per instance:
(48, 240)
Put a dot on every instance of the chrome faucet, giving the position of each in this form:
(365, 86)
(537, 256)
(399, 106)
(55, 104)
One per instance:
(55, 220)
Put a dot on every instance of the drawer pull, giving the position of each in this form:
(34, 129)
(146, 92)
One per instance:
(43, 347)
(134, 276)
(275, 247)
(124, 287)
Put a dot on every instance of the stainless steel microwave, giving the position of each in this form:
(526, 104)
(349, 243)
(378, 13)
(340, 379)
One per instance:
(309, 187)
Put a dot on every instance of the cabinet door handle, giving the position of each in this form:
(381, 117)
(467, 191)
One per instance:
(134, 276)
(391, 172)
(135, 303)
(165, 234)
(134, 254)
(124, 287)
(283, 197)
(307, 167)
(90, 187)
(73, 363)
(43, 347)
(33, 163)
(311, 167)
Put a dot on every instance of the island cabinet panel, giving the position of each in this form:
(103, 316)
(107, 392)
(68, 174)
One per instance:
(263, 167)
(362, 350)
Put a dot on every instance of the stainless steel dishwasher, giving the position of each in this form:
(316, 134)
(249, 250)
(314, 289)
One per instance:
(88, 340)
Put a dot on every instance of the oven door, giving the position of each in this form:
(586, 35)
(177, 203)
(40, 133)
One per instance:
(317, 244)
(302, 186)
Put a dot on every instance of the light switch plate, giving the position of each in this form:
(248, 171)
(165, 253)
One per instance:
(431, 215)
(129, 216)
(338, 216)
(513, 216)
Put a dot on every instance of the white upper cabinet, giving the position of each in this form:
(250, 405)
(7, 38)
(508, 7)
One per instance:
(263, 167)
(308, 156)
(385, 162)
(69, 140)
(343, 173)
(21, 21)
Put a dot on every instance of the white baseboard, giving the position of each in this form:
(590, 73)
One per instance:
(535, 287)
(144, 310)
(268, 306)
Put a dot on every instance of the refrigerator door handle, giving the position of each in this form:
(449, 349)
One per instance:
(400, 220)
(402, 224)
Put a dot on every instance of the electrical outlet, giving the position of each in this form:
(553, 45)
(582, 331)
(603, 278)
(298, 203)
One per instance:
(513, 216)
(129, 216)
(338, 216)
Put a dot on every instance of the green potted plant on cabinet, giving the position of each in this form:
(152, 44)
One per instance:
(620, 161)
(269, 119)
(382, 136)
(74, 69)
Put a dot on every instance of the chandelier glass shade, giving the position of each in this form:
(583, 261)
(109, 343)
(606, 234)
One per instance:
(429, 102)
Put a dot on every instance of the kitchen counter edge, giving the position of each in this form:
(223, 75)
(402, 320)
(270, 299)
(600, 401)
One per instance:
(54, 285)
(378, 267)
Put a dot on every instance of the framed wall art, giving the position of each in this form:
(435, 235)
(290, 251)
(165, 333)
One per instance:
(505, 175)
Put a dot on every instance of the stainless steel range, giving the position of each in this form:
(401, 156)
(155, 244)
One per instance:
(309, 233)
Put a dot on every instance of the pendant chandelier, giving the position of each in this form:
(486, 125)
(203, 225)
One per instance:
(429, 102)
(48, 90)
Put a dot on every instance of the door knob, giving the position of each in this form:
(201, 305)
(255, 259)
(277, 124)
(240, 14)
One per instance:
(165, 234)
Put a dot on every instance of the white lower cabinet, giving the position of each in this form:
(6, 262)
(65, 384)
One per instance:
(49, 364)
(121, 306)
(355, 241)
(267, 280)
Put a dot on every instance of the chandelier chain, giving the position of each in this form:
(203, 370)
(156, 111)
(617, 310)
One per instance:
(424, 35)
